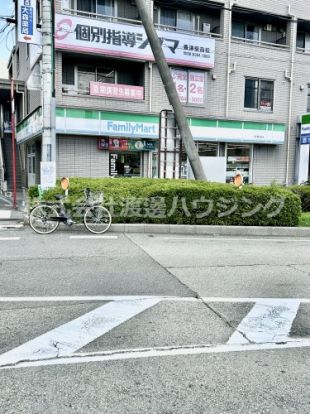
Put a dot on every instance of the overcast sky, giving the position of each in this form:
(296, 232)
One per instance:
(6, 40)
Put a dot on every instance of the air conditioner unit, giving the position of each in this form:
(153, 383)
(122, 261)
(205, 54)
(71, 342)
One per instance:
(268, 28)
(206, 27)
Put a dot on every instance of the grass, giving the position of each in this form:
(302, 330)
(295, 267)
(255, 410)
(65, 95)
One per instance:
(304, 220)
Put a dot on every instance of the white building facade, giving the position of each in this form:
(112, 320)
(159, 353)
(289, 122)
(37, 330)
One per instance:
(241, 68)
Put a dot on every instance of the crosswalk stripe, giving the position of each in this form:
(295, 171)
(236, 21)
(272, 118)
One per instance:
(266, 322)
(93, 237)
(5, 214)
(123, 355)
(74, 335)
(9, 238)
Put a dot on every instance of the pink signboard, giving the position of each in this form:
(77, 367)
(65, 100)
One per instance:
(117, 91)
(82, 34)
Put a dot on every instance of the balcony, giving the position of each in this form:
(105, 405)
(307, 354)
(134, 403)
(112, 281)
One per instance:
(259, 29)
(303, 37)
(189, 19)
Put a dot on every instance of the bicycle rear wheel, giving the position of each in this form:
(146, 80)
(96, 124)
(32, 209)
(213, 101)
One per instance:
(43, 219)
(97, 219)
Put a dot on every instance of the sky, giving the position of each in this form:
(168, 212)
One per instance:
(6, 41)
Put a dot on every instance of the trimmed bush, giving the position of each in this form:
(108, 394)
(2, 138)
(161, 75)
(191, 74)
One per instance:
(303, 191)
(138, 200)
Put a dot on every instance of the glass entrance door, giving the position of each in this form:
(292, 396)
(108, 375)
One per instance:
(125, 164)
(238, 161)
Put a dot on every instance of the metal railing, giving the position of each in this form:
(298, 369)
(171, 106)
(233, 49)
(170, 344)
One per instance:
(189, 32)
(104, 17)
(258, 42)
(303, 50)
(117, 19)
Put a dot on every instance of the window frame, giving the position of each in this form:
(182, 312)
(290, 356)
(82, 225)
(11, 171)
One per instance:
(258, 107)
(308, 98)
(176, 27)
(96, 69)
(73, 6)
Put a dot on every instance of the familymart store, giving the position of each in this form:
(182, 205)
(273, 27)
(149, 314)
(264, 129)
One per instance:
(92, 143)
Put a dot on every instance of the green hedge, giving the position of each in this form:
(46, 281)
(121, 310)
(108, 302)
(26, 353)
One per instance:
(186, 202)
(303, 191)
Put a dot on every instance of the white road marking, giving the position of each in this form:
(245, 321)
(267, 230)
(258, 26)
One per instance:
(267, 321)
(9, 238)
(5, 214)
(253, 239)
(121, 355)
(11, 226)
(276, 301)
(94, 237)
(135, 297)
(74, 335)
(79, 298)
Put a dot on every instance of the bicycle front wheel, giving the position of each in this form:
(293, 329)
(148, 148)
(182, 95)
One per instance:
(97, 219)
(43, 219)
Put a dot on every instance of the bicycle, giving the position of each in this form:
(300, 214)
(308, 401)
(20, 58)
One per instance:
(45, 217)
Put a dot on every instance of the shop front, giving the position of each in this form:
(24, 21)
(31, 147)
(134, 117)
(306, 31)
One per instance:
(127, 157)
(227, 148)
(93, 143)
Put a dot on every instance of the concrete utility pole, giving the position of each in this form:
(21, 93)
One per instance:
(48, 101)
(171, 91)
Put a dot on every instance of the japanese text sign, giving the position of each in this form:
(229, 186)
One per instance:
(130, 41)
(190, 86)
(117, 91)
(27, 22)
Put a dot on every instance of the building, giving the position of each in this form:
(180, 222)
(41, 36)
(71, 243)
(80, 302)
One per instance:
(6, 156)
(242, 70)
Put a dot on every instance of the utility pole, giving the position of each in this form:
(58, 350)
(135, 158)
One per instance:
(171, 91)
(48, 99)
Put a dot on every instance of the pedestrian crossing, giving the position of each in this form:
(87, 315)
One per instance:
(232, 325)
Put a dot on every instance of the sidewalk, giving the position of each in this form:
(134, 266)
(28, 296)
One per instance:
(10, 217)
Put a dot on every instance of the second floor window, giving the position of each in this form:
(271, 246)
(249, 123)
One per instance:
(89, 74)
(308, 99)
(181, 19)
(76, 78)
(258, 94)
(104, 7)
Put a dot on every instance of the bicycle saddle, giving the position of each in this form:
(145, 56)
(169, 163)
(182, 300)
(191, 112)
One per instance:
(59, 196)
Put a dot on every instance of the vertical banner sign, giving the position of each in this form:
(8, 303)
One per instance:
(196, 88)
(190, 86)
(113, 165)
(180, 80)
(27, 22)
(48, 174)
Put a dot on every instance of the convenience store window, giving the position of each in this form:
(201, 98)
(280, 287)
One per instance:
(126, 164)
(238, 158)
(207, 149)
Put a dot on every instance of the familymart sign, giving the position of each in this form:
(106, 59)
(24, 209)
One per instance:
(74, 121)
(305, 130)
(82, 122)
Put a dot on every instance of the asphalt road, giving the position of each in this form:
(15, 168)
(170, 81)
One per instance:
(153, 324)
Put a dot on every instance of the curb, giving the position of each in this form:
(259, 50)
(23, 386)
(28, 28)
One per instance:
(211, 230)
(194, 230)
